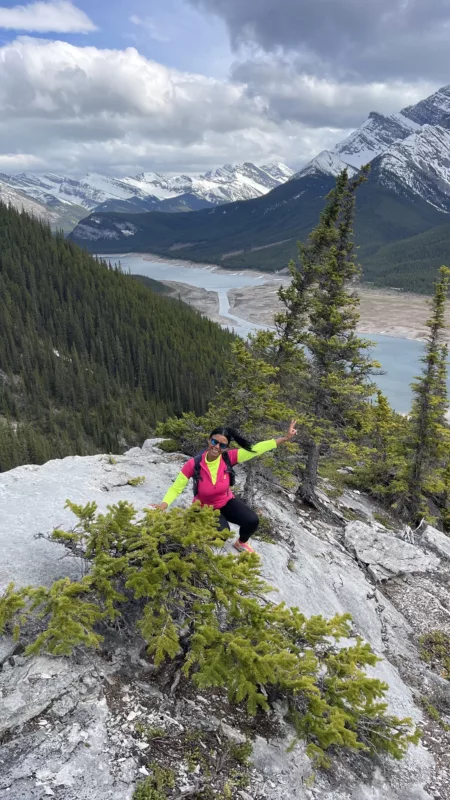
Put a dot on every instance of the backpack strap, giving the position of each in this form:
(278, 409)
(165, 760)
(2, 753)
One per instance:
(229, 467)
(196, 477)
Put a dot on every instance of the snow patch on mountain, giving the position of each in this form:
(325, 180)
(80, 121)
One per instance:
(421, 163)
(374, 136)
(278, 170)
(223, 185)
(326, 163)
(434, 110)
(21, 202)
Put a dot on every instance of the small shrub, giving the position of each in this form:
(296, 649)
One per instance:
(112, 460)
(265, 532)
(154, 787)
(291, 565)
(435, 650)
(145, 790)
(242, 753)
(433, 713)
(149, 733)
(383, 520)
(169, 446)
(136, 481)
(203, 607)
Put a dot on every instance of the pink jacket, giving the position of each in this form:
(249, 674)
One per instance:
(210, 494)
(215, 494)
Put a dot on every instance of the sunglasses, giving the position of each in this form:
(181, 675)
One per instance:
(215, 443)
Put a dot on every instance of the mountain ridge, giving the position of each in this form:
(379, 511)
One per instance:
(408, 192)
(148, 191)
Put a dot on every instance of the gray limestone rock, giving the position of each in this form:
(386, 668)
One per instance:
(32, 501)
(30, 688)
(384, 555)
(282, 772)
(436, 541)
(63, 740)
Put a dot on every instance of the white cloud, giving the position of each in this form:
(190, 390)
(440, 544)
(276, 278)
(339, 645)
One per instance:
(77, 107)
(290, 93)
(11, 162)
(149, 26)
(60, 16)
(82, 108)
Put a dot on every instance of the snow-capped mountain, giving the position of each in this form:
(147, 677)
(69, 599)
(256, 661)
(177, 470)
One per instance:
(421, 163)
(326, 163)
(10, 196)
(374, 136)
(278, 171)
(88, 192)
(150, 190)
(409, 151)
(223, 185)
(434, 110)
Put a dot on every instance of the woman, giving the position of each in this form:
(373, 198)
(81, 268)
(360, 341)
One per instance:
(214, 480)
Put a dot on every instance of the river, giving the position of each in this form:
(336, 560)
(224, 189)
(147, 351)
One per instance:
(400, 358)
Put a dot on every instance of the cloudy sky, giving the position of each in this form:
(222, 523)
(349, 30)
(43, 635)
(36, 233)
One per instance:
(187, 85)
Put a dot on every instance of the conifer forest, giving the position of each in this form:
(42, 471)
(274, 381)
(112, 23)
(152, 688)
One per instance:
(90, 359)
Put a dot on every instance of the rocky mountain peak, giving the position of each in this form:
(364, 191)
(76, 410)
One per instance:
(151, 190)
(326, 163)
(433, 110)
(410, 150)
(419, 163)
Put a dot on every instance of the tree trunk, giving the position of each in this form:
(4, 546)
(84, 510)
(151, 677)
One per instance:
(307, 489)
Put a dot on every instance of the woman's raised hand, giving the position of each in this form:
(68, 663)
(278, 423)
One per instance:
(292, 430)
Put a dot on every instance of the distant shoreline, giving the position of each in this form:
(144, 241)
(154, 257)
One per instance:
(177, 262)
(383, 312)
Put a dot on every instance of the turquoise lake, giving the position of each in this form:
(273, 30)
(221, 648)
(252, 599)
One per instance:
(400, 358)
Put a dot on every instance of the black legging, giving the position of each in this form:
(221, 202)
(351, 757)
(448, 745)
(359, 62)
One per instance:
(238, 513)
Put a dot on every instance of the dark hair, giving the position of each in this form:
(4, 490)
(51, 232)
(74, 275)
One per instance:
(231, 435)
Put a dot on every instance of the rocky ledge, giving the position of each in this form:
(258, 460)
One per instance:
(88, 727)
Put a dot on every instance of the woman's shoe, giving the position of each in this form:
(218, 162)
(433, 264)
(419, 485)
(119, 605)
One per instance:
(243, 547)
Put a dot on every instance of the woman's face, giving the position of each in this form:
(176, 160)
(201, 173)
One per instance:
(217, 445)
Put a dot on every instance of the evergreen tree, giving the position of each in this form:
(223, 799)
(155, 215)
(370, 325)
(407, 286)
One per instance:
(430, 435)
(382, 453)
(330, 384)
(202, 609)
(339, 363)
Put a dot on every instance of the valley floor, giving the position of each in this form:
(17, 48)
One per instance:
(383, 311)
(387, 312)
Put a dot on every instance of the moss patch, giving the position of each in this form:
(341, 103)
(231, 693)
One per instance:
(266, 531)
(435, 650)
(383, 520)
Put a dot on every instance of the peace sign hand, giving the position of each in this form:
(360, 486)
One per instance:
(292, 431)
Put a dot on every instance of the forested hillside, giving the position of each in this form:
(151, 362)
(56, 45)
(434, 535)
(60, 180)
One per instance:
(90, 358)
(411, 263)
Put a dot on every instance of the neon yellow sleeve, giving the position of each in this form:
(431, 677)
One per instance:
(258, 450)
(177, 487)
